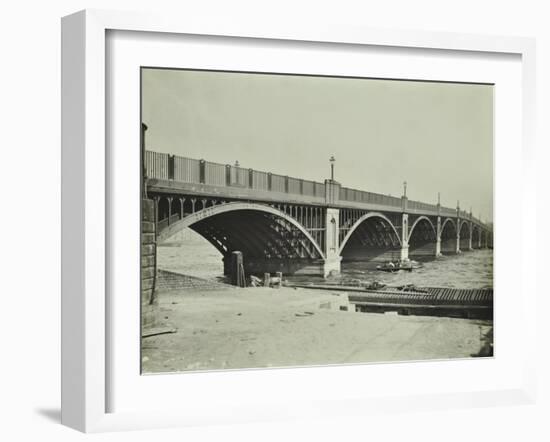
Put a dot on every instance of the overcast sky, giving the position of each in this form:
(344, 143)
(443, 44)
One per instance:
(436, 136)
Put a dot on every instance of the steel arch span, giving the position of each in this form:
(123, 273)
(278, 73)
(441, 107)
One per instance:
(373, 232)
(444, 224)
(448, 236)
(422, 238)
(268, 238)
(418, 220)
(468, 226)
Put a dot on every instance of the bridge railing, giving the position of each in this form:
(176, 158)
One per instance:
(173, 167)
(293, 186)
(186, 169)
(418, 206)
(319, 189)
(237, 176)
(260, 180)
(278, 183)
(353, 195)
(156, 164)
(214, 174)
(446, 211)
(308, 188)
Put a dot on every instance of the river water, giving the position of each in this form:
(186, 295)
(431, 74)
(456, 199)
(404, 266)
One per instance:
(188, 253)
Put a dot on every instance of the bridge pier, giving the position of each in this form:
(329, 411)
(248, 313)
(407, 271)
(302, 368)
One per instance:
(404, 237)
(332, 263)
(149, 307)
(404, 256)
(458, 233)
(438, 238)
(458, 227)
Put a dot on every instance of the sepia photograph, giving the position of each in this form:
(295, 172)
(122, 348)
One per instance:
(303, 220)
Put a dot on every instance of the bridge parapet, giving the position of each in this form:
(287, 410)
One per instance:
(353, 195)
(164, 166)
(418, 207)
(447, 212)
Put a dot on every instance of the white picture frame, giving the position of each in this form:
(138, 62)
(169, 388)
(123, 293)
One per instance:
(85, 233)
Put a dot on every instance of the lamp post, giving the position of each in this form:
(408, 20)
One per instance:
(404, 188)
(332, 161)
(143, 162)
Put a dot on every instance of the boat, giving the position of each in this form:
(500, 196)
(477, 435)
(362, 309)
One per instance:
(392, 267)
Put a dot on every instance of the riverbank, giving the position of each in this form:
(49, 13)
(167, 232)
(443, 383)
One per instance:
(229, 328)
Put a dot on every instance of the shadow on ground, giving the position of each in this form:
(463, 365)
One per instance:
(51, 414)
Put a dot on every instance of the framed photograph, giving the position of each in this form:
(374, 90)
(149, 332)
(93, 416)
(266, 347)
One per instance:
(263, 222)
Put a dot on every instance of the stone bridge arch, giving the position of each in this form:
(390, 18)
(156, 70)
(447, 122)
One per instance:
(269, 239)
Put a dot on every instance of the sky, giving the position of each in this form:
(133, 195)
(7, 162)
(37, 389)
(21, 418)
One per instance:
(436, 136)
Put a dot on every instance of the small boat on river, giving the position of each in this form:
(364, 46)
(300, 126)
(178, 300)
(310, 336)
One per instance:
(392, 267)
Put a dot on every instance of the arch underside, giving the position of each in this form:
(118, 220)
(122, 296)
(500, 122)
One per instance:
(476, 237)
(422, 238)
(464, 236)
(268, 241)
(448, 236)
(373, 239)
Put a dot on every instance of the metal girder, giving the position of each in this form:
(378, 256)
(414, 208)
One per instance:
(237, 239)
(296, 234)
(257, 234)
(374, 232)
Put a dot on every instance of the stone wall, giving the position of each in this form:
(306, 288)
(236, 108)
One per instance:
(148, 263)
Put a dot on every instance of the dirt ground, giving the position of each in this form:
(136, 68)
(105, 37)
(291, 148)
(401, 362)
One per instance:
(263, 327)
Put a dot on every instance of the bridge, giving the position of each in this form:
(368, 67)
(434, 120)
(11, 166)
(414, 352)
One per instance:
(297, 226)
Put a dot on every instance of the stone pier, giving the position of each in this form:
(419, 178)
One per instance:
(148, 264)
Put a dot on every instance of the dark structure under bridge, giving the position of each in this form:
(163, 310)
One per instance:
(293, 225)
